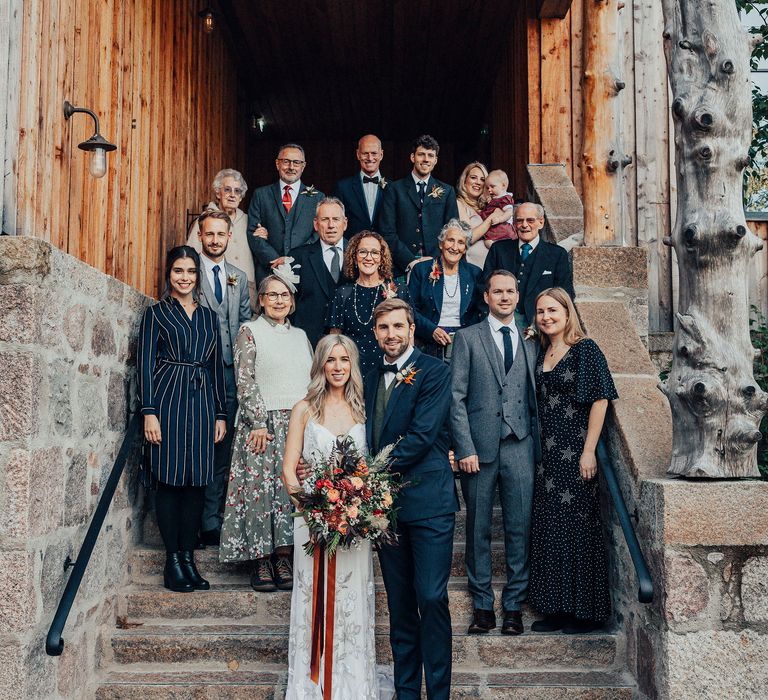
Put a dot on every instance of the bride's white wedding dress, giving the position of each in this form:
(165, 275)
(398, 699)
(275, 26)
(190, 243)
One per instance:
(354, 642)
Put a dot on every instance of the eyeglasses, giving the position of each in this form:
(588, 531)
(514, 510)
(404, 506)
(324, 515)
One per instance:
(287, 161)
(374, 254)
(530, 221)
(232, 190)
(274, 296)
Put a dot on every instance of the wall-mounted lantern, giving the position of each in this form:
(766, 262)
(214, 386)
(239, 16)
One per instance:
(209, 21)
(97, 145)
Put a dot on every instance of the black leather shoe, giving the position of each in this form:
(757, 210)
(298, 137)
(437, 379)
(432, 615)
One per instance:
(283, 568)
(211, 538)
(174, 578)
(483, 621)
(550, 623)
(513, 622)
(262, 577)
(187, 560)
(581, 626)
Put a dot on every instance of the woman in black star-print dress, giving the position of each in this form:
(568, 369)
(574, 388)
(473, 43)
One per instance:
(367, 260)
(569, 573)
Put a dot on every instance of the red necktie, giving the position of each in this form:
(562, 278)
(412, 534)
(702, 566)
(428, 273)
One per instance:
(287, 203)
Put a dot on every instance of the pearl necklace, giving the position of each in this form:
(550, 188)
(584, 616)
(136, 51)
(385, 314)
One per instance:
(373, 306)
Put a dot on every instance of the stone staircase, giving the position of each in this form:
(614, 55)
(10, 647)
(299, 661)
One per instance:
(232, 642)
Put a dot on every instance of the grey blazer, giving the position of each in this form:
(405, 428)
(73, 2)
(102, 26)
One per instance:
(236, 302)
(480, 395)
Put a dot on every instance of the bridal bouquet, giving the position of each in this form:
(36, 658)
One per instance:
(348, 497)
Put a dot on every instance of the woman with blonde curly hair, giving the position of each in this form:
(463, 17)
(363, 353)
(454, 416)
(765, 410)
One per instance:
(332, 408)
(368, 261)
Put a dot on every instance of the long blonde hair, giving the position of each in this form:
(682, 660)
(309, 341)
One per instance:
(318, 386)
(574, 331)
(461, 189)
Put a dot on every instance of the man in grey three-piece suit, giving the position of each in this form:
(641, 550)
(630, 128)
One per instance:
(494, 422)
(224, 289)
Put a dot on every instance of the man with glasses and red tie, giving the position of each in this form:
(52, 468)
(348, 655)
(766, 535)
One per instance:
(281, 215)
(536, 264)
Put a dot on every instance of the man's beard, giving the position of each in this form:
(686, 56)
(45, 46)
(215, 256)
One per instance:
(400, 350)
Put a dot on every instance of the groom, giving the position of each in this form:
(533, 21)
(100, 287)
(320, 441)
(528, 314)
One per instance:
(406, 402)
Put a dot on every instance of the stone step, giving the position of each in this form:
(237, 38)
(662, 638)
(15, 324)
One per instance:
(238, 602)
(268, 644)
(269, 684)
(146, 564)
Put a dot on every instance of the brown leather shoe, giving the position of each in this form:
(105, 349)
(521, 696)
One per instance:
(513, 622)
(483, 621)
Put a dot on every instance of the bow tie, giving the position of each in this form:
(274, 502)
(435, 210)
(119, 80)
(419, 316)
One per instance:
(385, 367)
(374, 180)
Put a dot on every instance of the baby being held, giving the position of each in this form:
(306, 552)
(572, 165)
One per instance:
(498, 200)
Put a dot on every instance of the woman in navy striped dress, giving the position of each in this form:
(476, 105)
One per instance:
(181, 385)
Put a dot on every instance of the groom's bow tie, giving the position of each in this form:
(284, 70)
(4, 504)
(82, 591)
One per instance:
(374, 179)
(385, 367)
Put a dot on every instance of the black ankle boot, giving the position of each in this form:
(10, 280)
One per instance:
(174, 577)
(187, 560)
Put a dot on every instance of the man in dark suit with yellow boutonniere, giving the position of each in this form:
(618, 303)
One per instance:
(414, 209)
(407, 399)
(281, 215)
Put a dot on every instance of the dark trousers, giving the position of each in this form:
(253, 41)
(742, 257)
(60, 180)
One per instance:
(416, 574)
(178, 510)
(216, 491)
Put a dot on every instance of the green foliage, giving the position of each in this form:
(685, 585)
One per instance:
(756, 173)
(758, 331)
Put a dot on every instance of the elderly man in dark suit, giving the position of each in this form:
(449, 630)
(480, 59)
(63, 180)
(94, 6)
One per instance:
(224, 289)
(362, 193)
(280, 215)
(495, 432)
(415, 209)
(321, 268)
(536, 264)
(406, 403)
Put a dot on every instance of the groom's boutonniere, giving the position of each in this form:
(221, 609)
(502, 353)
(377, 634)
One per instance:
(406, 374)
(436, 192)
(311, 191)
(383, 182)
(232, 281)
(530, 332)
(435, 273)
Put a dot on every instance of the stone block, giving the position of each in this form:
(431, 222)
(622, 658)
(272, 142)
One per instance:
(40, 674)
(73, 667)
(712, 513)
(60, 374)
(91, 408)
(46, 485)
(610, 267)
(17, 605)
(610, 326)
(561, 202)
(646, 665)
(115, 290)
(102, 337)
(53, 578)
(714, 665)
(543, 175)
(12, 668)
(24, 260)
(14, 513)
(686, 587)
(116, 401)
(754, 589)
(20, 378)
(74, 326)
(21, 318)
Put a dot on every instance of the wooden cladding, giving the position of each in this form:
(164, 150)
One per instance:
(165, 93)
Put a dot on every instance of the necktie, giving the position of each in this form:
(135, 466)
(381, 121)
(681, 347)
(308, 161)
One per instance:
(287, 202)
(374, 179)
(508, 353)
(525, 251)
(335, 267)
(217, 284)
(422, 188)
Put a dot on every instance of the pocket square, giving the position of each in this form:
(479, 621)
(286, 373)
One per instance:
(547, 272)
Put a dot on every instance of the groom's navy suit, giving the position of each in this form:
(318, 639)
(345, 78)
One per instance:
(416, 571)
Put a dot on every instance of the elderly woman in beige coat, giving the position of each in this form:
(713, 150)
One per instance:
(229, 188)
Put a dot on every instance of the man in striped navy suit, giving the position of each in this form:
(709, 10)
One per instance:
(224, 289)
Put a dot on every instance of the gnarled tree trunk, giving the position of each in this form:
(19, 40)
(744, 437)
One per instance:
(716, 404)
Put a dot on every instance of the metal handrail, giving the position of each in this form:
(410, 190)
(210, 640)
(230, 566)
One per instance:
(54, 643)
(644, 580)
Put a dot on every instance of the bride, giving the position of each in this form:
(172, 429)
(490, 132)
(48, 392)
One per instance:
(333, 407)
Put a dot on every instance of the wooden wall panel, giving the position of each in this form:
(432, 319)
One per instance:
(556, 115)
(166, 94)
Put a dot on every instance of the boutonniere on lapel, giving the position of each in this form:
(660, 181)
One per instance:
(383, 182)
(530, 332)
(406, 375)
(388, 290)
(435, 273)
(311, 191)
(436, 192)
(232, 281)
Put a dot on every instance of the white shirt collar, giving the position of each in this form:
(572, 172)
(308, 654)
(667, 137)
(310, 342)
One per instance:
(325, 247)
(403, 359)
(364, 174)
(532, 243)
(295, 187)
(208, 264)
(497, 325)
(418, 180)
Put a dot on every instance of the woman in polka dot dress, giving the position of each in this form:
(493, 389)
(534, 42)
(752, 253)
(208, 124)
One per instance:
(569, 573)
(367, 260)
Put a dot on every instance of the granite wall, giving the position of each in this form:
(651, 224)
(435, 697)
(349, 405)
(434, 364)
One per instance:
(67, 339)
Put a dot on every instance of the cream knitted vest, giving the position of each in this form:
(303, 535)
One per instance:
(283, 361)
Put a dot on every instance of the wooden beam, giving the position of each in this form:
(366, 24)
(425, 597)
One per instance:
(551, 9)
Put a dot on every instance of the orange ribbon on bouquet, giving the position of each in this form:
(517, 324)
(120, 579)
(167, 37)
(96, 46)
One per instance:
(323, 606)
